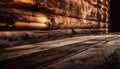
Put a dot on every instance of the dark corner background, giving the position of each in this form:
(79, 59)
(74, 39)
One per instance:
(115, 16)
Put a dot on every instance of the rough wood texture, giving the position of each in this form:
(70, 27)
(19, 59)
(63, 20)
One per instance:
(57, 14)
(84, 52)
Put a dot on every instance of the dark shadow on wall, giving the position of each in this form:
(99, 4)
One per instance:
(115, 16)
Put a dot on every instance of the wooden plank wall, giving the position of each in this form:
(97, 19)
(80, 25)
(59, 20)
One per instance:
(54, 14)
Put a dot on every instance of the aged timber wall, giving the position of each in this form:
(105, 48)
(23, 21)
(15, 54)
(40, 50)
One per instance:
(54, 14)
